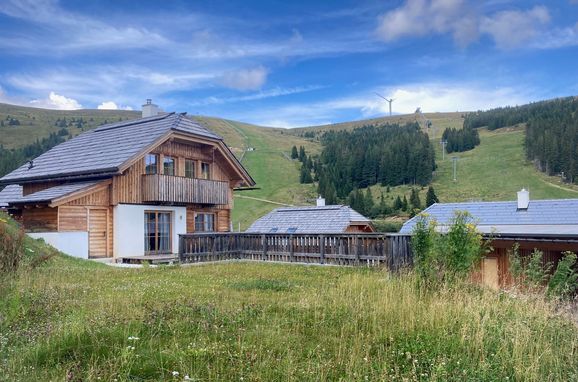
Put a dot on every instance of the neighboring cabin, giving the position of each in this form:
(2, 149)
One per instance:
(313, 219)
(550, 226)
(128, 188)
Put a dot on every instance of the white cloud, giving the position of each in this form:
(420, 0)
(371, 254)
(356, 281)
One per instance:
(270, 93)
(57, 101)
(111, 105)
(245, 79)
(511, 29)
(423, 17)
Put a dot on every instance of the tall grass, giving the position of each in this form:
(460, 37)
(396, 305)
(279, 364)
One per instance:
(72, 320)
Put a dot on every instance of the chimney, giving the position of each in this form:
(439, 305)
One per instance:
(320, 201)
(523, 199)
(149, 109)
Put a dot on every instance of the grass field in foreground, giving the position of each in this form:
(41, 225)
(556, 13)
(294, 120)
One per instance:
(82, 321)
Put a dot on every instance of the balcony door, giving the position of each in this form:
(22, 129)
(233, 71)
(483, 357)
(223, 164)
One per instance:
(158, 232)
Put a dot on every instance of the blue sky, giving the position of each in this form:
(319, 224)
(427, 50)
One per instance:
(287, 63)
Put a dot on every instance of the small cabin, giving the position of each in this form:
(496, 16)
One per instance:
(550, 226)
(127, 189)
(313, 219)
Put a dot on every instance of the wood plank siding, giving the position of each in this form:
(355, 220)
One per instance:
(176, 189)
(72, 218)
(44, 219)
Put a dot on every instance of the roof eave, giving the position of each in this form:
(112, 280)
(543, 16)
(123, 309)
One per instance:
(104, 173)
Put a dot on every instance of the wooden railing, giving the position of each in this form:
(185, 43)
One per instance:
(390, 250)
(177, 189)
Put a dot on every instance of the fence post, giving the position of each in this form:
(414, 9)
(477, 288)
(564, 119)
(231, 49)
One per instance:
(357, 249)
(264, 255)
(322, 249)
(181, 248)
(291, 251)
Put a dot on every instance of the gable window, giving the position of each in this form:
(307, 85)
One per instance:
(157, 232)
(189, 168)
(205, 170)
(169, 166)
(151, 164)
(204, 222)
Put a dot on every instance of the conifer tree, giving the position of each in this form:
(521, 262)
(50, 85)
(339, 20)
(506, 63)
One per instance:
(414, 199)
(431, 197)
(294, 153)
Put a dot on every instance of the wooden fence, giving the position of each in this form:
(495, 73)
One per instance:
(390, 250)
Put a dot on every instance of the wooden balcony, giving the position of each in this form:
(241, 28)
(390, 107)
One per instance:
(177, 189)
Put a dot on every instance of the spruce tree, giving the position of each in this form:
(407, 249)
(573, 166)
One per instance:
(302, 155)
(431, 197)
(414, 199)
(368, 201)
(404, 204)
(397, 204)
(294, 153)
(305, 175)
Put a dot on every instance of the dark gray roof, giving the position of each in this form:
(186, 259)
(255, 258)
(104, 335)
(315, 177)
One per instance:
(13, 193)
(542, 216)
(103, 150)
(10, 193)
(326, 219)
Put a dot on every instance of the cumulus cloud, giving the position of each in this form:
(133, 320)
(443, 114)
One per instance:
(245, 79)
(510, 29)
(57, 101)
(111, 105)
(422, 17)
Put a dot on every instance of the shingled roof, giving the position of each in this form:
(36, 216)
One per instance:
(541, 217)
(323, 219)
(102, 151)
(10, 193)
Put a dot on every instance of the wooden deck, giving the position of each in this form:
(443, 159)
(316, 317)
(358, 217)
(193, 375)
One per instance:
(389, 250)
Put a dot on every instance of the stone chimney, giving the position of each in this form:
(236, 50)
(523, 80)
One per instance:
(320, 201)
(523, 199)
(149, 109)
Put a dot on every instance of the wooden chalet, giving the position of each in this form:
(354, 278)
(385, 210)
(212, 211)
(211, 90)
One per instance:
(127, 189)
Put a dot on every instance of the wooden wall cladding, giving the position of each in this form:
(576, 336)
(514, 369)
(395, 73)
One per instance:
(127, 187)
(43, 219)
(72, 218)
(30, 188)
(97, 198)
(222, 218)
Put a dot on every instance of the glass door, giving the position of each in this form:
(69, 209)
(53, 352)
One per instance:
(157, 232)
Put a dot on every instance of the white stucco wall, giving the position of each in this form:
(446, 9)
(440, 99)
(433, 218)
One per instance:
(129, 227)
(72, 243)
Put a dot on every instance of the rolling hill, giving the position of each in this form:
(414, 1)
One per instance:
(494, 170)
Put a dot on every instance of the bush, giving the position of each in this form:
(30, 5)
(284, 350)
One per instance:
(564, 281)
(448, 256)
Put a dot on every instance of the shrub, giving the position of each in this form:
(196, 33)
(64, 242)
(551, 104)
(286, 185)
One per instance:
(564, 281)
(447, 256)
(536, 272)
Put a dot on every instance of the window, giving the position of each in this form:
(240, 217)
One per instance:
(273, 230)
(151, 164)
(190, 168)
(169, 166)
(292, 230)
(157, 232)
(204, 222)
(205, 170)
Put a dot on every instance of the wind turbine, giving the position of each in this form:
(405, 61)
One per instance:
(388, 100)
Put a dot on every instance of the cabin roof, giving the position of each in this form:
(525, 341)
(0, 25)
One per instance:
(102, 151)
(541, 216)
(12, 194)
(323, 219)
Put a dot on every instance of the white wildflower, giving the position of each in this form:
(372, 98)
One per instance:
(175, 373)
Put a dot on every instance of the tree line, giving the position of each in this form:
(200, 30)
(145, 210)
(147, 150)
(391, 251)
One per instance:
(458, 140)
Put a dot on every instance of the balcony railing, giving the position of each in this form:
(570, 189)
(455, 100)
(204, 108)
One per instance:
(177, 189)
